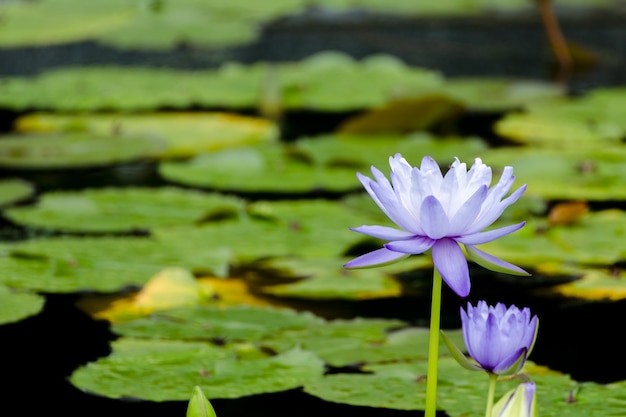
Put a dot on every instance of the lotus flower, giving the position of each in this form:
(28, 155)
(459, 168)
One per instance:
(498, 339)
(439, 212)
(519, 402)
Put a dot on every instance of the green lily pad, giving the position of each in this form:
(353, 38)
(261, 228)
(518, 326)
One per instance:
(104, 264)
(596, 119)
(74, 150)
(160, 370)
(343, 342)
(123, 210)
(327, 163)
(185, 134)
(561, 250)
(566, 174)
(16, 305)
(14, 190)
(243, 323)
(306, 228)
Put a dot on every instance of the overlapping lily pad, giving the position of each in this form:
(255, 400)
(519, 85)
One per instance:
(185, 134)
(131, 209)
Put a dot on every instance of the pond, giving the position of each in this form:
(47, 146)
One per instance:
(180, 214)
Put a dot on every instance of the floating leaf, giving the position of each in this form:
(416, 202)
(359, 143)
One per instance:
(460, 392)
(170, 288)
(74, 150)
(345, 342)
(567, 212)
(325, 278)
(594, 284)
(500, 94)
(185, 134)
(324, 82)
(14, 190)
(327, 163)
(596, 119)
(566, 174)
(238, 323)
(16, 305)
(104, 264)
(403, 115)
(123, 209)
(160, 370)
(60, 21)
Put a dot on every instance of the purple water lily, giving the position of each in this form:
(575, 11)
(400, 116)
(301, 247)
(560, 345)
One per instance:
(498, 338)
(439, 212)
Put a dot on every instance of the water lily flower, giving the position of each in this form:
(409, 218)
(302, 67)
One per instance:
(440, 212)
(519, 402)
(498, 339)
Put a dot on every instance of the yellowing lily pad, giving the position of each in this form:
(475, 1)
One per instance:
(185, 134)
(124, 209)
(404, 115)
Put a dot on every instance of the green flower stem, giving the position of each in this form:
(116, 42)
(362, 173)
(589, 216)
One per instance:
(490, 394)
(433, 346)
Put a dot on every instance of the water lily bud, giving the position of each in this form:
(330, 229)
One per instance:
(498, 339)
(519, 402)
(199, 406)
(440, 213)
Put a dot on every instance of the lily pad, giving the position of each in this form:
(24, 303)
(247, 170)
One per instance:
(104, 264)
(109, 210)
(14, 190)
(500, 94)
(59, 21)
(341, 342)
(185, 134)
(237, 323)
(566, 174)
(596, 119)
(159, 370)
(460, 392)
(74, 150)
(18, 305)
(327, 163)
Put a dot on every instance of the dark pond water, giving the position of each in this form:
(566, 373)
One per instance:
(39, 353)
